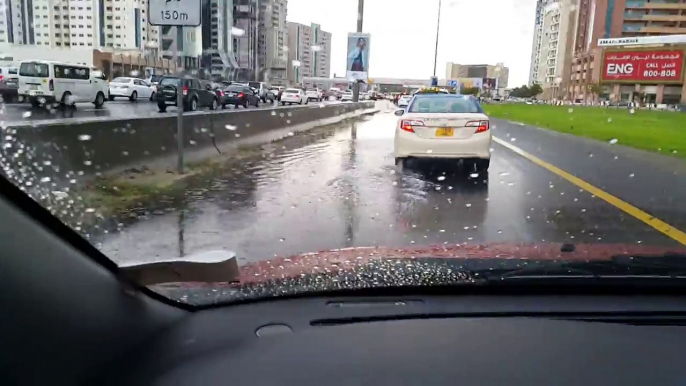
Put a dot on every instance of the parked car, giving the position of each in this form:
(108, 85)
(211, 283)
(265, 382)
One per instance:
(293, 95)
(239, 95)
(131, 88)
(261, 89)
(347, 96)
(9, 84)
(195, 93)
(313, 94)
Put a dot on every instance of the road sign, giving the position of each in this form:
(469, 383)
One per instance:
(434, 81)
(174, 12)
(452, 83)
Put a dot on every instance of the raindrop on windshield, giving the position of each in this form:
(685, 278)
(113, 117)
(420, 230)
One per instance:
(474, 175)
(87, 162)
(609, 120)
(468, 205)
(631, 175)
(503, 174)
(273, 113)
(429, 151)
(232, 127)
(26, 114)
(45, 179)
(613, 141)
(84, 137)
(90, 210)
(570, 110)
(440, 178)
(632, 111)
(513, 139)
(290, 134)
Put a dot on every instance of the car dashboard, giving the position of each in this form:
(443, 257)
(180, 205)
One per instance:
(434, 340)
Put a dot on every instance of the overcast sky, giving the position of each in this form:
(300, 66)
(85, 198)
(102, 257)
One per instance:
(403, 34)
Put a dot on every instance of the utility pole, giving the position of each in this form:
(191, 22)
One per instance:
(360, 14)
(179, 100)
(438, 25)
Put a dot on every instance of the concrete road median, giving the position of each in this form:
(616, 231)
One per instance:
(105, 145)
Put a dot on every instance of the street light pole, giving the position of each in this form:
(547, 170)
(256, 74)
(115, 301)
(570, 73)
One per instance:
(360, 14)
(438, 25)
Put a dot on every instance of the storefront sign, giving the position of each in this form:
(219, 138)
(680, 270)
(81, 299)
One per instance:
(663, 66)
(633, 41)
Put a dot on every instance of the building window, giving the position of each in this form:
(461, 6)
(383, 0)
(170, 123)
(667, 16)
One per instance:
(90, 35)
(109, 26)
(57, 35)
(81, 44)
(90, 44)
(89, 17)
(118, 36)
(57, 17)
(58, 43)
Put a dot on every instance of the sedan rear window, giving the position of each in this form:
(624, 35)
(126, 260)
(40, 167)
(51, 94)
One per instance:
(292, 91)
(442, 105)
(121, 80)
(235, 88)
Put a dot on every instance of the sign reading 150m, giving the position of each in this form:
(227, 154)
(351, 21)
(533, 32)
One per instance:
(174, 12)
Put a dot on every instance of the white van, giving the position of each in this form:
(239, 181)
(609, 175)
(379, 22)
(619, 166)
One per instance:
(43, 81)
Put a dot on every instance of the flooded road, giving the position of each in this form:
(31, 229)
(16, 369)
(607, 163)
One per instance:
(338, 187)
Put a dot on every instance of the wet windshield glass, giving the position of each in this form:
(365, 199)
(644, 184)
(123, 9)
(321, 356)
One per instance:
(496, 134)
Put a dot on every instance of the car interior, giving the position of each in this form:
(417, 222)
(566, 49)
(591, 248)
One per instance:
(71, 317)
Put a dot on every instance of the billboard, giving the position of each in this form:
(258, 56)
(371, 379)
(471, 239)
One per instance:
(357, 65)
(471, 82)
(650, 65)
(490, 83)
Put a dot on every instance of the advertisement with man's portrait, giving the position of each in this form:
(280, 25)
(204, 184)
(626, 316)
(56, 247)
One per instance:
(357, 66)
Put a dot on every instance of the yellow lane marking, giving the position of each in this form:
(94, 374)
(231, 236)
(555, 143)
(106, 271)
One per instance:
(658, 224)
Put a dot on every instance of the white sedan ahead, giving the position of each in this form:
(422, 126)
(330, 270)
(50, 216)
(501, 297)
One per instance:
(131, 88)
(444, 126)
(404, 100)
(347, 96)
(293, 95)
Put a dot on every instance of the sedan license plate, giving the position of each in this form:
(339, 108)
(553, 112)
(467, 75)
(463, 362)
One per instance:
(444, 132)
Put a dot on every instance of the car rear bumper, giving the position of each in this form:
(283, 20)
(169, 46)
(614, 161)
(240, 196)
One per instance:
(290, 99)
(232, 101)
(410, 145)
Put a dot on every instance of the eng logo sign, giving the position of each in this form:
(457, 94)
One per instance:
(643, 66)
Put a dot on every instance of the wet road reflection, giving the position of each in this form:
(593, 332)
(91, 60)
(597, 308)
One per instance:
(338, 187)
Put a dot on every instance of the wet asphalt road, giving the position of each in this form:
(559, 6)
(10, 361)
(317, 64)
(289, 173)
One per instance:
(338, 187)
(119, 108)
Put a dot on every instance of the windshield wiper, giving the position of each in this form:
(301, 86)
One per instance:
(669, 265)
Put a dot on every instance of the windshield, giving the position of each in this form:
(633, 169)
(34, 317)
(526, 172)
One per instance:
(509, 133)
(169, 82)
(235, 88)
(38, 70)
(444, 105)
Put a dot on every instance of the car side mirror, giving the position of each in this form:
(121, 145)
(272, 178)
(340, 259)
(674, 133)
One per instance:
(399, 112)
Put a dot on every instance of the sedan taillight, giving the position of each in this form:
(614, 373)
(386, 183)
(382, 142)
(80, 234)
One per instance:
(407, 124)
(481, 126)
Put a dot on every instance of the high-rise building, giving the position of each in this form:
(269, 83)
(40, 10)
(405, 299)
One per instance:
(245, 38)
(78, 24)
(603, 19)
(553, 46)
(499, 72)
(309, 52)
(217, 42)
(272, 56)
